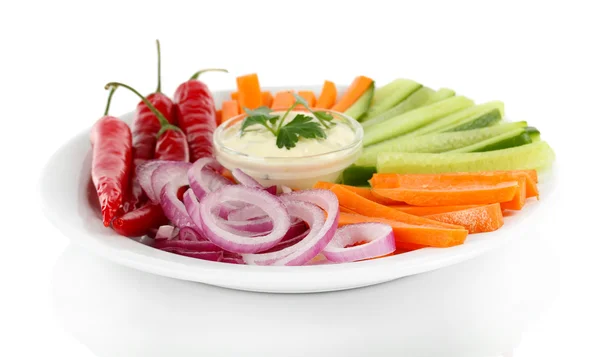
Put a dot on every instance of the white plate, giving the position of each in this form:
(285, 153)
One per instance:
(65, 188)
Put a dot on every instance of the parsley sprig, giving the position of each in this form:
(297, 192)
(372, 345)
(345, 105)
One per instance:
(288, 135)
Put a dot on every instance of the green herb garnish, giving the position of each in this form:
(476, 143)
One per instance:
(288, 135)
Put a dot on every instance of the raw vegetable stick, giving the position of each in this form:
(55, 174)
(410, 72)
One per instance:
(455, 195)
(267, 99)
(308, 96)
(425, 211)
(369, 208)
(361, 191)
(249, 91)
(283, 100)
(328, 96)
(408, 235)
(230, 109)
(360, 85)
(476, 220)
(346, 210)
(235, 95)
(453, 178)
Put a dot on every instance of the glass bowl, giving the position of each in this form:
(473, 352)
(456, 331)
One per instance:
(300, 172)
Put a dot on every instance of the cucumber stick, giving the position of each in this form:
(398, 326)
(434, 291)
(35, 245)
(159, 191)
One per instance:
(436, 142)
(358, 175)
(533, 132)
(421, 97)
(361, 106)
(390, 95)
(414, 119)
(526, 157)
(510, 139)
(487, 113)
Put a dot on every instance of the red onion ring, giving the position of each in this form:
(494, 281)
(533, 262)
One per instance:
(244, 179)
(237, 243)
(167, 172)
(232, 260)
(211, 256)
(191, 246)
(203, 177)
(191, 234)
(379, 237)
(301, 204)
(144, 176)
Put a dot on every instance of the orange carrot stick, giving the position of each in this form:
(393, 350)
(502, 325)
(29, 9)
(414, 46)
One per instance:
(425, 211)
(476, 220)
(235, 95)
(346, 210)
(267, 99)
(308, 96)
(465, 194)
(449, 179)
(356, 89)
(366, 207)
(249, 91)
(361, 191)
(328, 96)
(283, 100)
(408, 235)
(230, 109)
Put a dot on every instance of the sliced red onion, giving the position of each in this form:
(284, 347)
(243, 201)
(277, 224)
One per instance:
(272, 205)
(286, 189)
(166, 232)
(211, 256)
(260, 225)
(320, 233)
(379, 238)
(144, 176)
(203, 177)
(191, 234)
(167, 172)
(288, 242)
(232, 260)
(172, 207)
(246, 213)
(245, 179)
(272, 189)
(192, 246)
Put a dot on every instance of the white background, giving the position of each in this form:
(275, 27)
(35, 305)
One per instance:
(538, 297)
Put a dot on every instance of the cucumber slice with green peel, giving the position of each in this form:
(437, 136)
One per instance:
(507, 140)
(534, 133)
(390, 95)
(414, 119)
(526, 157)
(483, 121)
(420, 98)
(362, 105)
(436, 142)
(482, 113)
(358, 175)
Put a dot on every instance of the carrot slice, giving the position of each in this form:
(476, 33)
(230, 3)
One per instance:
(356, 89)
(409, 235)
(283, 100)
(449, 179)
(520, 197)
(235, 95)
(369, 208)
(476, 220)
(361, 191)
(425, 211)
(328, 96)
(219, 115)
(267, 99)
(230, 109)
(308, 96)
(464, 194)
(346, 210)
(249, 91)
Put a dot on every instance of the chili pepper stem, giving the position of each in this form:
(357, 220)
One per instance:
(164, 123)
(197, 74)
(158, 87)
(110, 95)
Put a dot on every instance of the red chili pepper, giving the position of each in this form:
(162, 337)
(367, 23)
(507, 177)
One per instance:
(140, 221)
(196, 116)
(145, 128)
(171, 144)
(111, 162)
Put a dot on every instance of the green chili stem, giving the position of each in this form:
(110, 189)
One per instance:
(161, 118)
(158, 87)
(110, 95)
(197, 74)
